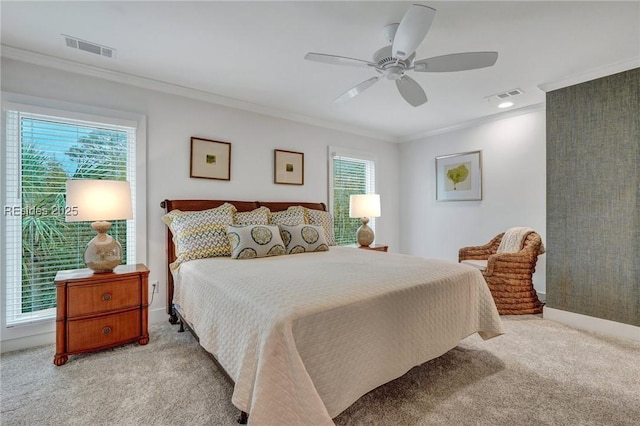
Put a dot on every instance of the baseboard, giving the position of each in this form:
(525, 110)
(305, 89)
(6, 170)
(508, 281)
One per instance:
(542, 296)
(27, 342)
(158, 315)
(585, 322)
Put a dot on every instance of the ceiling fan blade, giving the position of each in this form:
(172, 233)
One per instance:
(411, 91)
(338, 60)
(355, 91)
(412, 30)
(456, 62)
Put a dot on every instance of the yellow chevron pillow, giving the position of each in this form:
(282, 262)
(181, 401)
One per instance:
(200, 234)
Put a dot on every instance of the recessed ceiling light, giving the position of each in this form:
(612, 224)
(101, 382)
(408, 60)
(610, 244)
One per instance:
(505, 105)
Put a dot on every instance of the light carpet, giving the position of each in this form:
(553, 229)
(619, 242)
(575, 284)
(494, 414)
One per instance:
(539, 373)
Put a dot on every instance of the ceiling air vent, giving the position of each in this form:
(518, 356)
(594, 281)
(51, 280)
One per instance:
(505, 95)
(509, 93)
(87, 46)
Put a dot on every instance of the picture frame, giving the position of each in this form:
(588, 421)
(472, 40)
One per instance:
(288, 167)
(210, 159)
(459, 177)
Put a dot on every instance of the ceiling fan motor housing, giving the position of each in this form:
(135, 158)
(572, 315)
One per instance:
(392, 68)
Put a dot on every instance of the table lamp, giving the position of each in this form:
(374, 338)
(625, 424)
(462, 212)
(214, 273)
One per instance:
(99, 201)
(364, 206)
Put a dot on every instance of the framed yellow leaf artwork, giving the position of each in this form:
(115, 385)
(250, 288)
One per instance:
(459, 177)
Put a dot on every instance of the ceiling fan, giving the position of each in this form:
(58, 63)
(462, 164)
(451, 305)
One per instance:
(395, 60)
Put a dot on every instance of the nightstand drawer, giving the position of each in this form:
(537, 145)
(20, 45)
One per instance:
(103, 297)
(103, 331)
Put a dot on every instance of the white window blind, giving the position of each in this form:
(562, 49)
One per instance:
(42, 152)
(350, 173)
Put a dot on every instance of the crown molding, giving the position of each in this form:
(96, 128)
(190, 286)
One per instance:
(591, 74)
(476, 122)
(40, 59)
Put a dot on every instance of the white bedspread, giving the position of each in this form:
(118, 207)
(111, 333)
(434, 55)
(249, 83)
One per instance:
(304, 336)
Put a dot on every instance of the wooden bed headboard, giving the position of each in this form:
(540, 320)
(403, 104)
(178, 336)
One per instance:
(196, 205)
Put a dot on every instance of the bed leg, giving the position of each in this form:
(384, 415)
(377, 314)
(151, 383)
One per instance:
(243, 418)
(181, 327)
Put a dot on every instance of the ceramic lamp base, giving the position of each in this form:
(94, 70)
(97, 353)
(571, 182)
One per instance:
(103, 253)
(365, 235)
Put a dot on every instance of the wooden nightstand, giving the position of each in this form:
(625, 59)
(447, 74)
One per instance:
(98, 311)
(376, 247)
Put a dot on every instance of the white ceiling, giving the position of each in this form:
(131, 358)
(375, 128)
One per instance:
(250, 54)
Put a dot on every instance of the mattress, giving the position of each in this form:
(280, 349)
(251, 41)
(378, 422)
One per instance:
(304, 336)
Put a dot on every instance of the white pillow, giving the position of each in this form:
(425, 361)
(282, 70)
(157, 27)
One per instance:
(251, 241)
(303, 238)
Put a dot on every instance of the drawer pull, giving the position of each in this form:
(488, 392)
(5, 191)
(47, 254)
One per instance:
(106, 330)
(106, 297)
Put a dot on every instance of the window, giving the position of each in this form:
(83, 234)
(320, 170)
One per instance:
(43, 149)
(349, 173)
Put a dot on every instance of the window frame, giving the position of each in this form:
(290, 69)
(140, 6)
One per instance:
(333, 152)
(35, 105)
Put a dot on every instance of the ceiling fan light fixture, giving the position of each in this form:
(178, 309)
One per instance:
(394, 73)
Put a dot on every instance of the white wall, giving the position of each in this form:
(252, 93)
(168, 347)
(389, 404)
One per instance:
(514, 188)
(172, 120)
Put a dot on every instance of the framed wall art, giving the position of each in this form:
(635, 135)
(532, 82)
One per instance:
(210, 159)
(459, 177)
(288, 167)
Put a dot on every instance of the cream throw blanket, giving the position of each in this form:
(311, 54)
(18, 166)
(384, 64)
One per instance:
(513, 240)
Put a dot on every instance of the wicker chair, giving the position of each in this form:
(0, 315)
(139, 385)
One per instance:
(508, 275)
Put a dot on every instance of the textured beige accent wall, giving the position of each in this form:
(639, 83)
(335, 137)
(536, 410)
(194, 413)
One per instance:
(593, 198)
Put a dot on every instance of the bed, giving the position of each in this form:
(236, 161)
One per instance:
(303, 336)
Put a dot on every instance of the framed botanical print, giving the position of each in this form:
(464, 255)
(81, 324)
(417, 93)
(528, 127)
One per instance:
(210, 159)
(459, 177)
(288, 167)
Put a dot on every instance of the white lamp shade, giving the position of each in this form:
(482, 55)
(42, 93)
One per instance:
(364, 205)
(98, 200)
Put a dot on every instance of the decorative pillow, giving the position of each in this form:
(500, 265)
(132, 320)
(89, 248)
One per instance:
(303, 238)
(168, 218)
(259, 216)
(251, 241)
(324, 219)
(292, 216)
(200, 234)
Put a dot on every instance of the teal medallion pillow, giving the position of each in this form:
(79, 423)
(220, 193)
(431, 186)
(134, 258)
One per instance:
(251, 241)
(303, 238)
